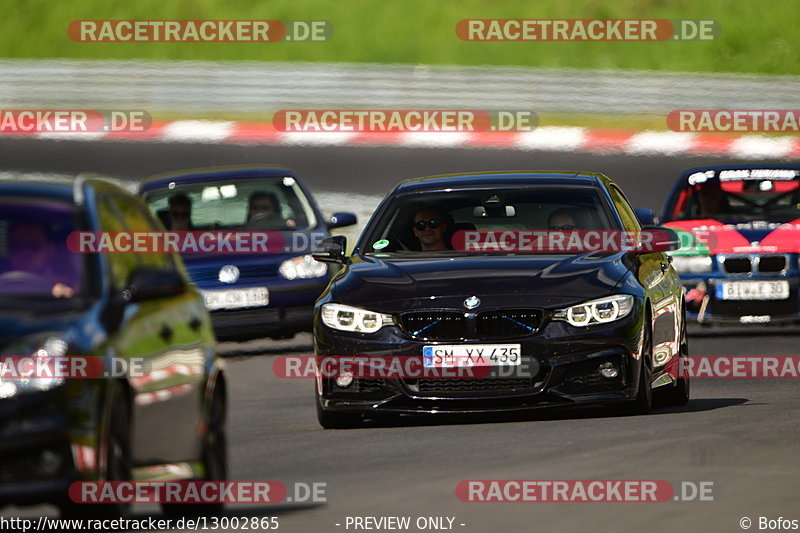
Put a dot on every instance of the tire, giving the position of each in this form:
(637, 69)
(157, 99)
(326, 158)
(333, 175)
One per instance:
(678, 395)
(116, 450)
(644, 393)
(332, 420)
(215, 459)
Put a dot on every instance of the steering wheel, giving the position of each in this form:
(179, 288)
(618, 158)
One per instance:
(23, 279)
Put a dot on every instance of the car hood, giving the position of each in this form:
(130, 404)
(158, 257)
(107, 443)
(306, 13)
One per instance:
(394, 284)
(711, 236)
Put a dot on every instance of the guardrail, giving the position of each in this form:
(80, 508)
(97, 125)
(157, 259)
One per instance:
(255, 87)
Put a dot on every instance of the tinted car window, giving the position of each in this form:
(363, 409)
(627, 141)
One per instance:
(34, 258)
(527, 209)
(624, 209)
(136, 220)
(250, 204)
(121, 264)
(739, 200)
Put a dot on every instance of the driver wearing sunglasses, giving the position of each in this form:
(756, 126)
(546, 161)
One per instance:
(562, 219)
(429, 228)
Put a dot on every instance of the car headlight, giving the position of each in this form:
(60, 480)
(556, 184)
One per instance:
(691, 264)
(46, 355)
(303, 267)
(600, 311)
(347, 318)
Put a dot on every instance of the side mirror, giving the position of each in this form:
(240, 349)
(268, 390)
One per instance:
(331, 250)
(646, 217)
(659, 239)
(341, 220)
(152, 284)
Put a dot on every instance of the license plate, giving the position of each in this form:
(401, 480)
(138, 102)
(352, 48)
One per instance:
(236, 298)
(753, 290)
(470, 355)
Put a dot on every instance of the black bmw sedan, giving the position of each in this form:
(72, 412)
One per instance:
(444, 279)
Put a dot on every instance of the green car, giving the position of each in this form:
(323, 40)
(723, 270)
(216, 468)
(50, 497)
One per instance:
(152, 405)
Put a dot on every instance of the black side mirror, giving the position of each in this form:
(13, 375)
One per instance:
(341, 220)
(659, 239)
(331, 250)
(646, 217)
(152, 284)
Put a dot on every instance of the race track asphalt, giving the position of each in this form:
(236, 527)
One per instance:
(741, 435)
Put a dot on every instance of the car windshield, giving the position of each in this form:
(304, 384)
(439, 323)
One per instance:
(34, 258)
(245, 204)
(415, 223)
(739, 200)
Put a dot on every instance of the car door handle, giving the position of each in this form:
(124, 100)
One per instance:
(165, 332)
(195, 323)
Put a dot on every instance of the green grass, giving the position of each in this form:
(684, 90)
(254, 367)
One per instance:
(757, 37)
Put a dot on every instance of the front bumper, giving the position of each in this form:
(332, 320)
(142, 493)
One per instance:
(290, 310)
(703, 306)
(276, 322)
(564, 362)
(36, 460)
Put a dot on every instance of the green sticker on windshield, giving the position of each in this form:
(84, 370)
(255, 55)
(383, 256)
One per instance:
(380, 245)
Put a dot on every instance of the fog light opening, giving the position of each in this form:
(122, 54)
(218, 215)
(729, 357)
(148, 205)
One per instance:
(608, 370)
(344, 380)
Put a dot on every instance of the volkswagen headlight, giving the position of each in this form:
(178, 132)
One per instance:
(34, 372)
(691, 264)
(347, 318)
(303, 267)
(600, 311)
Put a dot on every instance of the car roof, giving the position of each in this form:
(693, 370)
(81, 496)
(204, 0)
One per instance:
(214, 174)
(683, 180)
(57, 188)
(500, 179)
